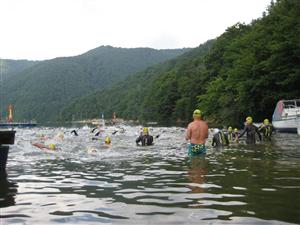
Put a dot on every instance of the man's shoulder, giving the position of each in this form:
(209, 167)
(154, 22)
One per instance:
(190, 124)
(203, 122)
(199, 124)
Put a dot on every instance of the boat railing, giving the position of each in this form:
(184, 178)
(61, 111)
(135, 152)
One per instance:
(291, 103)
(291, 108)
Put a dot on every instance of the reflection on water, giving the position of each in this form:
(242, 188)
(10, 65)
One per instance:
(149, 185)
(196, 173)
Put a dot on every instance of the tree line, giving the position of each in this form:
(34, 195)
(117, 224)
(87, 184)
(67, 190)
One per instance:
(245, 71)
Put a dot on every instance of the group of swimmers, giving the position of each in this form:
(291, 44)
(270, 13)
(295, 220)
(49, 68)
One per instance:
(224, 137)
(48, 143)
(197, 133)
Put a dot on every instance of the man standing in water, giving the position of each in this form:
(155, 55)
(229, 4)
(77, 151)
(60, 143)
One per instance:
(197, 133)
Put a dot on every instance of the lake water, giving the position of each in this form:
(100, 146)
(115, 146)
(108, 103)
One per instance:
(126, 184)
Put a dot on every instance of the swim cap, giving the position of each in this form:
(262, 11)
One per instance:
(107, 140)
(249, 120)
(197, 113)
(266, 122)
(52, 146)
(235, 130)
(60, 135)
(229, 129)
(145, 130)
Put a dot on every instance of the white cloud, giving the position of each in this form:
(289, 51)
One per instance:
(41, 29)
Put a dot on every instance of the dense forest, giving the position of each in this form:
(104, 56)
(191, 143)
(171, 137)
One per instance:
(9, 68)
(41, 91)
(252, 66)
(149, 95)
(245, 71)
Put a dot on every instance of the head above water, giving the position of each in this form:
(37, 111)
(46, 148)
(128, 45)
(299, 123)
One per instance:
(52, 147)
(60, 135)
(266, 122)
(145, 130)
(249, 120)
(197, 114)
(107, 140)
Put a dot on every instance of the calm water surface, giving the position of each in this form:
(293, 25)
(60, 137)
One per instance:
(126, 184)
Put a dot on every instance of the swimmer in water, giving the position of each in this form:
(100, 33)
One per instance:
(41, 146)
(145, 138)
(250, 129)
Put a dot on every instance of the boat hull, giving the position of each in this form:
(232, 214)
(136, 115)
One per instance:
(287, 125)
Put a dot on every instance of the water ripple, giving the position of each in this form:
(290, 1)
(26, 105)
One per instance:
(127, 184)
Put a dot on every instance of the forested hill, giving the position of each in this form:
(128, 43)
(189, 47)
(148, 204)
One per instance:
(9, 68)
(160, 93)
(41, 91)
(252, 67)
(243, 72)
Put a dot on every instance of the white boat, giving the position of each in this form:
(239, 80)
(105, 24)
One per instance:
(286, 116)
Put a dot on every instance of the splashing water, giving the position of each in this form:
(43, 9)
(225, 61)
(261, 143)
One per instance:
(88, 182)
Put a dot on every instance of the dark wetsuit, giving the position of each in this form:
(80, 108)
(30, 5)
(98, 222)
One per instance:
(235, 135)
(230, 135)
(145, 139)
(267, 131)
(220, 139)
(250, 129)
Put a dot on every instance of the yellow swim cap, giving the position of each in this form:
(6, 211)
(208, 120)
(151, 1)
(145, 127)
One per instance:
(107, 140)
(230, 129)
(249, 120)
(145, 130)
(197, 113)
(235, 130)
(52, 147)
(266, 122)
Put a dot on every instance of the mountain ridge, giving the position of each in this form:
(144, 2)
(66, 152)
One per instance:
(40, 91)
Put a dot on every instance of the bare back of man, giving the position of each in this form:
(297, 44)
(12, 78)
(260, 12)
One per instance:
(197, 132)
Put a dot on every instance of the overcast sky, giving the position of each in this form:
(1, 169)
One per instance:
(44, 29)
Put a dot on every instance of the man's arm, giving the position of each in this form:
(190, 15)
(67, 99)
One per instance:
(213, 141)
(227, 140)
(138, 140)
(243, 132)
(206, 130)
(188, 133)
(272, 129)
(150, 140)
(258, 133)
